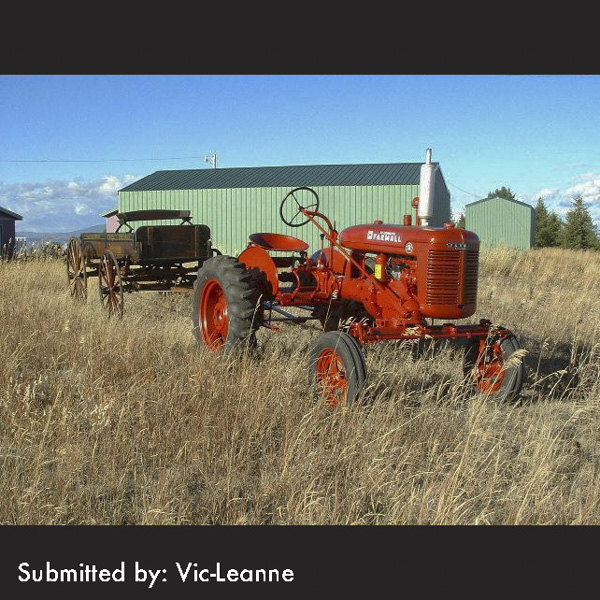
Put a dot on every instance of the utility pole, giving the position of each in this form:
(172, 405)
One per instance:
(212, 158)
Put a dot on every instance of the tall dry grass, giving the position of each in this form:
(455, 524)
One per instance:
(128, 422)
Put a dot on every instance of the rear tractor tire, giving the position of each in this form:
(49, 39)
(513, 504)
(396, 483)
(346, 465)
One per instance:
(225, 305)
(487, 363)
(337, 368)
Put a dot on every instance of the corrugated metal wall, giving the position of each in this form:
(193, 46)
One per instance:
(501, 222)
(234, 214)
(442, 212)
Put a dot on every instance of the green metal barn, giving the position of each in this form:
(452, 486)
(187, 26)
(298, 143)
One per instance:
(236, 202)
(502, 222)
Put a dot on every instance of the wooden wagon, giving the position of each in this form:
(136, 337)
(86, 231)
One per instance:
(150, 258)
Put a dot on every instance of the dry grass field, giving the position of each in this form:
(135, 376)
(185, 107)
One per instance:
(129, 422)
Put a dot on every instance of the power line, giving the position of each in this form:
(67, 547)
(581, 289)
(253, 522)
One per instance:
(100, 160)
(465, 191)
(49, 198)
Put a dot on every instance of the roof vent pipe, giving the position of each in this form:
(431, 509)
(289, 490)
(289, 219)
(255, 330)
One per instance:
(427, 189)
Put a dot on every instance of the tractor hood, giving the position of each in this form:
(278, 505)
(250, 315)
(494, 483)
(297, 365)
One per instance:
(401, 239)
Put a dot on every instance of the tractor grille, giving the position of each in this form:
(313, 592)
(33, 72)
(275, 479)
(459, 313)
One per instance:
(443, 276)
(471, 273)
(446, 269)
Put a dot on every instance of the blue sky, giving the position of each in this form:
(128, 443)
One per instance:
(70, 142)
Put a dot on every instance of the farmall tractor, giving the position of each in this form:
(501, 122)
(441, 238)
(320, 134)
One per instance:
(369, 283)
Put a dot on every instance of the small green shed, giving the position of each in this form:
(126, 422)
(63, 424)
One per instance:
(236, 202)
(502, 222)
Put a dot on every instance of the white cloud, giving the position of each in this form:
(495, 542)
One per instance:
(82, 209)
(561, 201)
(111, 184)
(548, 194)
(588, 188)
(53, 206)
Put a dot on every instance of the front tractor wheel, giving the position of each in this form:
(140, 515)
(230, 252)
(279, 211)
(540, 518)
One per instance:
(488, 364)
(225, 304)
(337, 368)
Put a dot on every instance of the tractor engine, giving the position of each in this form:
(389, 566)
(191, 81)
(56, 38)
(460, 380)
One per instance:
(438, 266)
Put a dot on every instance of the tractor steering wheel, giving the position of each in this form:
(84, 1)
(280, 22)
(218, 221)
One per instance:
(295, 202)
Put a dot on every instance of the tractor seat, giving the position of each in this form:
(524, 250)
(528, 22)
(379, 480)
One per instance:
(278, 241)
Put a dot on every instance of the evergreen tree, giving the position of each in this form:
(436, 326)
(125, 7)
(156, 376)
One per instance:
(548, 226)
(579, 231)
(503, 192)
(460, 221)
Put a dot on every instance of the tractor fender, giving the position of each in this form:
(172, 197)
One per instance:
(261, 263)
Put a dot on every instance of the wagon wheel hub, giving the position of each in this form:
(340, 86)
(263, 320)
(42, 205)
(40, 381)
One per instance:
(332, 377)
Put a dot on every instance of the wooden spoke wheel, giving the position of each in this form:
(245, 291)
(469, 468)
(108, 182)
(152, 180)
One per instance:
(338, 368)
(76, 270)
(110, 284)
(88, 255)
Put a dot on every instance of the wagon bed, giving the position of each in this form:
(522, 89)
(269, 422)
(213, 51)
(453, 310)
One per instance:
(162, 244)
(151, 257)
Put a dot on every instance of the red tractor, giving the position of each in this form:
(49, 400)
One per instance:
(369, 283)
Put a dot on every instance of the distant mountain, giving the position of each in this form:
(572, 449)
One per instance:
(54, 237)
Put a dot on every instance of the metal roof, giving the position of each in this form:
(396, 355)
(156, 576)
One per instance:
(286, 176)
(11, 214)
(501, 198)
(110, 213)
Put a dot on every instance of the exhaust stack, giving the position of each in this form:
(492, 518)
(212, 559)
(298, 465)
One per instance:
(427, 189)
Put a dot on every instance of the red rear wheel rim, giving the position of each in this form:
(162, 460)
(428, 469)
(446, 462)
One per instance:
(214, 320)
(331, 377)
